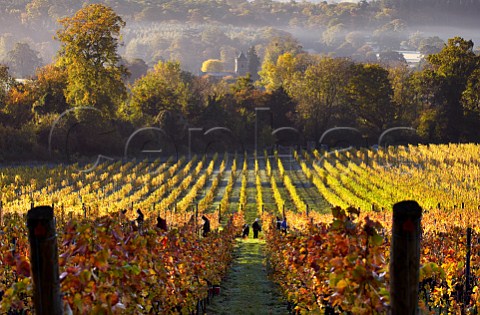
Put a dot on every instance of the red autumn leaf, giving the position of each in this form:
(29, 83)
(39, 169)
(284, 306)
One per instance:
(23, 267)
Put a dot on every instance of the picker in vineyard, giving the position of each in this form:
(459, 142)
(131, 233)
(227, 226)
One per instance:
(284, 225)
(256, 228)
(278, 223)
(140, 218)
(246, 231)
(206, 226)
(162, 223)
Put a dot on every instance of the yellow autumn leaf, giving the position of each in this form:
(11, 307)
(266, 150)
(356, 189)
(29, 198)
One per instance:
(342, 284)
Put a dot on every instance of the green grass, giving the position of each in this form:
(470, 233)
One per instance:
(246, 289)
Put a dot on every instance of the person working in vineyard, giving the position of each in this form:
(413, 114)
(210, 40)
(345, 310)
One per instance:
(161, 223)
(140, 218)
(284, 226)
(206, 226)
(278, 223)
(246, 231)
(256, 228)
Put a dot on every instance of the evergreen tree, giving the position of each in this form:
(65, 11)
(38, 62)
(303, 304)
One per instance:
(253, 63)
(23, 60)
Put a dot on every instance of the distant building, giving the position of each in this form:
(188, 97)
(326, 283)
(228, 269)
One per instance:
(241, 65)
(23, 81)
(413, 58)
(240, 69)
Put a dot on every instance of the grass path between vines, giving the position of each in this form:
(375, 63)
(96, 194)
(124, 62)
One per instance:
(246, 289)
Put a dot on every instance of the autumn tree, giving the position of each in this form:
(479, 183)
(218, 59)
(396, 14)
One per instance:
(405, 97)
(391, 59)
(279, 73)
(334, 35)
(212, 65)
(244, 98)
(390, 35)
(279, 52)
(89, 55)
(321, 95)
(6, 82)
(137, 68)
(23, 60)
(282, 106)
(454, 69)
(19, 104)
(370, 97)
(431, 45)
(164, 89)
(6, 42)
(48, 89)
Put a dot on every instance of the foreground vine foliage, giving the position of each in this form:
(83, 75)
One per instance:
(109, 267)
(338, 266)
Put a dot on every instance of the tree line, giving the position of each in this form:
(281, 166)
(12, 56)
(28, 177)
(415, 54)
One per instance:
(310, 92)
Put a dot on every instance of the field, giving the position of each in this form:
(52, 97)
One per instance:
(333, 260)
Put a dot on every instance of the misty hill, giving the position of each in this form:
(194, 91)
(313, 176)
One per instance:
(220, 29)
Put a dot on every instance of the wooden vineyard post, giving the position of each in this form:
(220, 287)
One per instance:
(44, 261)
(1, 213)
(219, 213)
(196, 215)
(405, 258)
(466, 300)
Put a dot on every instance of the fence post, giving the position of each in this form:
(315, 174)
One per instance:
(44, 261)
(405, 258)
